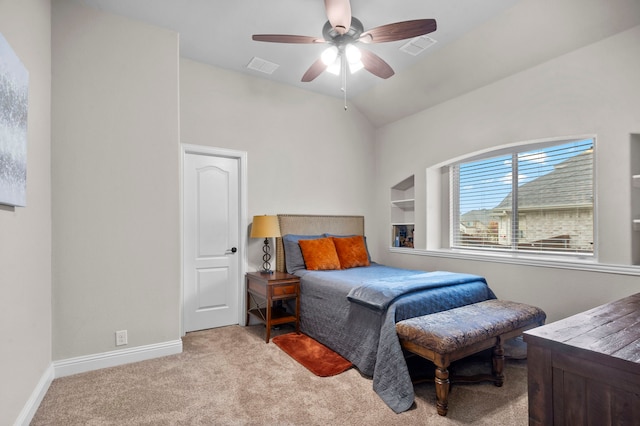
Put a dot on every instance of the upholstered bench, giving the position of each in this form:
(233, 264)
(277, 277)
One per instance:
(450, 335)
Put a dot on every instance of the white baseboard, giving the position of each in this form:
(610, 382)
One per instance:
(30, 408)
(67, 367)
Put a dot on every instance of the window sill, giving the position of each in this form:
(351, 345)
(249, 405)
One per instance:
(519, 259)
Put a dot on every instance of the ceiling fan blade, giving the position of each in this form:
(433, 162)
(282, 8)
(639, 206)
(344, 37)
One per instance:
(339, 14)
(286, 38)
(314, 70)
(375, 64)
(399, 31)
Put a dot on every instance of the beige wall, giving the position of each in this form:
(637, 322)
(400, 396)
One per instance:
(113, 174)
(306, 154)
(115, 159)
(25, 232)
(592, 90)
(116, 169)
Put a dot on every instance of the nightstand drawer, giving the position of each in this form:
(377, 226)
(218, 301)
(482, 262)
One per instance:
(283, 290)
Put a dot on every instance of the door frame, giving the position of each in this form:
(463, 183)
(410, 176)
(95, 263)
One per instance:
(243, 224)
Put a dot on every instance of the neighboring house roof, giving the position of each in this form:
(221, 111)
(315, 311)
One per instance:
(482, 216)
(574, 174)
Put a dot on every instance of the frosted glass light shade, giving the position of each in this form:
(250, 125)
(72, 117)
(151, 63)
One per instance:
(329, 55)
(334, 68)
(353, 53)
(354, 58)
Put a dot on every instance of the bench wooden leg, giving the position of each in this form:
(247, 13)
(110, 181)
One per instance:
(498, 363)
(442, 390)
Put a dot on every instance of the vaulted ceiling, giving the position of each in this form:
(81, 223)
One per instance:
(476, 42)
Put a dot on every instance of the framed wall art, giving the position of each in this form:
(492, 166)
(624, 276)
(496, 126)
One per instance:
(14, 106)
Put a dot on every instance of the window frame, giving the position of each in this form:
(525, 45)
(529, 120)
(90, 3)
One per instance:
(514, 150)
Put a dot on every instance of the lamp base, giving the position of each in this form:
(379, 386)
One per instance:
(266, 258)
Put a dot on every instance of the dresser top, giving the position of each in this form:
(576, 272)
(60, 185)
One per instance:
(612, 329)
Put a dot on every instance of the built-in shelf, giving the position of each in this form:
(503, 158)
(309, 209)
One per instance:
(404, 204)
(403, 213)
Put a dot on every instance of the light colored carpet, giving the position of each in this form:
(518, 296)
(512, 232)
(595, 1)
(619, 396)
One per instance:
(230, 376)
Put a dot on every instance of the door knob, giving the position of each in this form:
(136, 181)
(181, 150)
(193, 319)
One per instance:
(232, 250)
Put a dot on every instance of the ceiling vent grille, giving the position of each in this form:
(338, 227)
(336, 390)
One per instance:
(261, 65)
(418, 45)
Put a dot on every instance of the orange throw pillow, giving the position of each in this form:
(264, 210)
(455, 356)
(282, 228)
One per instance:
(352, 251)
(319, 254)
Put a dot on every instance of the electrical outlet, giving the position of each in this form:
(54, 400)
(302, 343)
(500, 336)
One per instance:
(121, 338)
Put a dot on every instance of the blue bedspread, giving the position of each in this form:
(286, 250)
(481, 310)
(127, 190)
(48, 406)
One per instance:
(378, 294)
(364, 332)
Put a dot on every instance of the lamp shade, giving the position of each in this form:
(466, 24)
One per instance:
(265, 227)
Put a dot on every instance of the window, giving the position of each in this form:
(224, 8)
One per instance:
(537, 199)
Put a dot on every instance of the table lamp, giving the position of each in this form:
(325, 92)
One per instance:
(265, 227)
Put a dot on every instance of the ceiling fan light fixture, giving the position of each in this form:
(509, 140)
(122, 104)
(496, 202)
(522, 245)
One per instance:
(329, 55)
(353, 53)
(341, 31)
(335, 67)
(354, 58)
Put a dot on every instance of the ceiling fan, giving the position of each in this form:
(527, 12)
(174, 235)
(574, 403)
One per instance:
(342, 31)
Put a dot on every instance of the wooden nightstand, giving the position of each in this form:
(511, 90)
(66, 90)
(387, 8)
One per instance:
(263, 289)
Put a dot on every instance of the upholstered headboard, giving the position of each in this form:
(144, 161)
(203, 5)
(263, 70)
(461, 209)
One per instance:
(313, 225)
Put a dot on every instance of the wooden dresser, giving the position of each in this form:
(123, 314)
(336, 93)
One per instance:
(585, 369)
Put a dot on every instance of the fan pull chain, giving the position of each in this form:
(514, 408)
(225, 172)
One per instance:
(343, 62)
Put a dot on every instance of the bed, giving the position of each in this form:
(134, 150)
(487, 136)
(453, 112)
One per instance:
(353, 311)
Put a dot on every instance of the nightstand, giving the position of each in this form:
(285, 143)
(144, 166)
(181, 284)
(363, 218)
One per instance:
(263, 289)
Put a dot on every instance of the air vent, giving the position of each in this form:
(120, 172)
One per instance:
(261, 65)
(417, 45)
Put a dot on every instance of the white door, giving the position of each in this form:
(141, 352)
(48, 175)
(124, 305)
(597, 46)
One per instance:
(211, 236)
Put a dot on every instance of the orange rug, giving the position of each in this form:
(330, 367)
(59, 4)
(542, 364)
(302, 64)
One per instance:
(316, 357)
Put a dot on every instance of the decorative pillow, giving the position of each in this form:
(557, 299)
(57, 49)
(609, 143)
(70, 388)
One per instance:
(353, 235)
(352, 251)
(319, 254)
(292, 255)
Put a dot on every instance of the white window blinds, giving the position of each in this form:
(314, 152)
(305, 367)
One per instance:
(538, 200)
